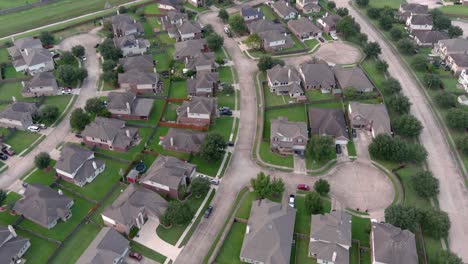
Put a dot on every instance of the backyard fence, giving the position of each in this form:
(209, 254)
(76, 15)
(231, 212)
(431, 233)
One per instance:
(184, 126)
(112, 157)
(75, 192)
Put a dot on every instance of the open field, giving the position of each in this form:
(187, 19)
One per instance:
(4, 4)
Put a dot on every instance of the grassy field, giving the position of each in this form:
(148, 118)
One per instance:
(178, 89)
(223, 126)
(230, 250)
(170, 114)
(226, 99)
(4, 4)
(395, 4)
(268, 12)
(295, 113)
(455, 10)
(273, 158)
(40, 249)
(244, 209)
(20, 140)
(152, 9)
(206, 167)
(4, 56)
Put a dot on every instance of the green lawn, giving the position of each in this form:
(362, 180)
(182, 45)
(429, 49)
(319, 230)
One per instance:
(316, 94)
(42, 177)
(61, 101)
(295, 113)
(411, 197)
(369, 66)
(272, 99)
(163, 38)
(8, 90)
(231, 248)
(206, 167)
(20, 140)
(162, 61)
(4, 56)
(351, 148)
(225, 75)
(268, 12)
(178, 89)
(334, 104)
(303, 218)
(226, 99)
(154, 145)
(148, 253)
(312, 164)
(354, 253)
(155, 114)
(170, 114)
(395, 4)
(311, 43)
(4, 4)
(223, 126)
(274, 158)
(5, 217)
(327, 37)
(460, 10)
(192, 7)
(40, 249)
(244, 209)
(152, 9)
(10, 72)
(361, 230)
(301, 255)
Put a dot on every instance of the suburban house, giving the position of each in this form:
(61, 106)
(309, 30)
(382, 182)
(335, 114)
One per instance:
(204, 84)
(329, 122)
(284, 9)
(132, 208)
(143, 63)
(273, 35)
(464, 2)
(139, 82)
(196, 3)
(251, 14)
(391, 245)
(330, 237)
(78, 165)
(370, 117)
(463, 80)
(189, 49)
(202, 62)
(429, 38)
(167, 175)
(109, 133)
(462, 99)
(287, 137)
(183, 140)
(317, 76)
(269, 234)
(308, 6)
(29, 56)
(328, 22)
(304, 29)
(447, 47)
(169, 5)
(44, 205)
(41, 84)
(18, 115)
(124, 25)
(419, 23)
(12, 246)
(405, 11)
(284, 80)
(127, 105)
(131, 45)
(173, 19)
(353, 78)
(186, 30)
(457, 62)
(265, 25)
(107, 247)
(198, 111)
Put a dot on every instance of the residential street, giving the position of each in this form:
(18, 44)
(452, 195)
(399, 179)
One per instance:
(453, 196)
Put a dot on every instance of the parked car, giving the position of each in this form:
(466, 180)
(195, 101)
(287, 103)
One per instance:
(7, 150)
(303, 187)
(78, 135)
(25, 184)
(214, 181)
(230, 144)
(42, 126)
(135, 255)
(3, 156)
(353, 131)
(34, 129)
(224, 108)
(338, 149)
(226, 112)
(208, 211)
(83, 58)
(291, 200)
(333, 36)
(321, 39)
(66, 91)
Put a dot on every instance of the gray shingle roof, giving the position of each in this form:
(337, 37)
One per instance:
(265, 25)
(352, 77)
(332, 253)
(27, 43)
(169, 171)
(303, 26)
(183, 138)
(317, 74)
(129, 41)
(330, 122)
(202, 80)
(118, 101)
(203, 59)
(189, 48)
(334, 227)
(270, 233)
(289, 129)
(455, 45)
(460, 59)
(188, 27)
(430, 36)
(175, 15)
(273, 36)
(311, 6)
(42, 204)
(248, 11)
(421, 20)
(105, 248)
(136, 77)
(331, 19)
(414, 8)
(10, 245)
(113, 130)
(393, 245)
(283, 74)
(42, 79)
(72, 157)
(283, 8)
(199, 105)
(20, 111)
(377, 113)
(142, 62)
(125, 22)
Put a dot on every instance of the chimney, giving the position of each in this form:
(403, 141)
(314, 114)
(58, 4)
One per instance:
(60, 192)
(12, 230)
(128, 107)
(172, 141)
(188, 109)
(127, 132)
(287, 4)
(94, 165)
(334, 256)
(22, 83)
(247, 230)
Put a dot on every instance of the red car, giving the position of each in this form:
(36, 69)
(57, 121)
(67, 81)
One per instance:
(303, 187)
(135, 255)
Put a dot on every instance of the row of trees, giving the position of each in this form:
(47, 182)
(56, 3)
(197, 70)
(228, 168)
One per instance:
(385, 147)
(111, 55)
(265, 187)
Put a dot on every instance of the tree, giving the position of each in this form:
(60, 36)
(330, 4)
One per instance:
(350, 92)
(386, 22)
(457, 118)
(440, 21)
(261, 185)
(179, 213)
(223, 15)
(237, 24)
(407, 125)
(213, 147)
(3, 196)
(448, 257)
(48, 113)
(109, 51)
(208, 30)
(108, 65)
(435, 223)
(95, 105)
(391, 86)
(67, 57)
(122, 10)
(455, 31)
(79, 119)
(322, 187)
(214, 42)
(399, 103)
(362, 38)
(267, 62)
(396, 33)
(348, 27)
(200, 186)
(42, 160)
(46, 38)
(462, 143)
(425, 184)
(69, 75)
(432, 81)
(402, 216)
(313, 203)
(78, 51)
(110, 77)
(321, 147)
(381, 66)
(406, 46)
(372, 49)
(331, 5)
(254, 41)
(384, 147)
(420, 62)
(277, 187)
(445, 99)
(373, 12)
(362, 3)
(342, 11)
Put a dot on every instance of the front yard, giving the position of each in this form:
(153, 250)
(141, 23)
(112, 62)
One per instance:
(231, 248)
(295, 113)
(178, 89)
(273, 158)
(21, 140)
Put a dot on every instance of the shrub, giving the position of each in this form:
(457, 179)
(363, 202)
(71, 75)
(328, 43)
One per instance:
(322, 187)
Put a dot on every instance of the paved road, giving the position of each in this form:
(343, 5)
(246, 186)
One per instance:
(453, 196)
(61, 131)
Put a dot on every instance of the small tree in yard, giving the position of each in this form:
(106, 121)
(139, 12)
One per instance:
(267, 62)
(254, 41)
(373, 12)
(425, 184)
(342, 11)
(348, 27)
(322, 187)
(420, 62)
(67, 57)
(455, 31)
(435, 223)
(432, 81)
(331, 4)
(46, 38)
(446, 99)
(110, 77)
(78, 51)
(277, 187)
(200, 186)
(391, 86)
(109, 51)
(448, 257)
(372, 49)
(108, 65)
(321, 147)
(214, 42)
(261, 185)
(79, 119)
(313, 203)
(237, 24)
(457, 118)
(396, 33)
(399, 103)
(223, 15)
(362, 3)
(350, 92)
(406, 46)
(42, 160)
(402, 216)
(69, 75)
(407, 125)
(213, 147)
(381, 66)
(48, 113)
(386, 22)
(179, 213)
(462, 143)
(95, 106)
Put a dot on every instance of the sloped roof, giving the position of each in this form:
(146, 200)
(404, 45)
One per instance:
(430, 36)
(317, 74)
(329, 252)
(265, 25)
(42, 79)
(283, 127)
(105, 248)
(199, 105)
(137, 77)
(183, 138)
(421, 20)
(327, 121)
(460, 59)
(283, 74)
(303, 26)
(36, 56)
(19, 111)
(125, 22)
(331, 19)
(142, 63)
(455, 45)
(123, 100)
(27, 43)
(283, 8)
(168, 171)
(393, 245)
(414, 8)
(334, 227)
(202, 80)
(188, 27)
(189, 48)
(203, 59)
(352, 77)
(10, 245)
(72, 157)
(273, 35)
(130, 40)
(248, 11)
(377, 113)
(110, 129)
(176, 15)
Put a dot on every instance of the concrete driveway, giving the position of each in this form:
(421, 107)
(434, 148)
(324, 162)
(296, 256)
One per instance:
(361, 142)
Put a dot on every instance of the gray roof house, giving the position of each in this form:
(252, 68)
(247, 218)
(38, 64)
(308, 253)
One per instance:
(198, 111)
(406, 10)
(284, 80)
(41, 84)
(139, 81)
(204, 84)
(189, 49)
(353, 78)
(457, 62)
(287, 137)
(317, 76)
(284, 9)
(265, 25)
(142, 63)
(202, 62)
(18, 115)
(28, 55)
(330, 237)
(78, 165)
(124, 25)
(304, 29)
(183, 140)
(44, 205)
(447, 47)
(127, 105)
(12, 246)
(329, 122)
(131, 45)
(188, 30)
(269, 235)
(429, 38)
(108, 247)
(308, 6)
(274, 40)
(167, 175)
(251, 14)
(109, 133)
(173, 19)
(328, 22)
(132, 208)
(419, 23)
(371, 117)
(391, 245)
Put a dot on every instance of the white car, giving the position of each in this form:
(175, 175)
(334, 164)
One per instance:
(34, 129)
(66, 91)
(291, 200)
(83, 58)
(333, 36)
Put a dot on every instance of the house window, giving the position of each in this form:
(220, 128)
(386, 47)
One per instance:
(103, 140)
(300, 140)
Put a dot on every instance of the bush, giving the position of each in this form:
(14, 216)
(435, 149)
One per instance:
(384, 147)
(322, 187)
(372, 49)
(267, 62)
(200, 186)
(386, 22)
(78, 51)
(42, 160)
(321, 148)
(403, 216)
(373, 12)
(313, 203)
(213, 148)
(95, 105)
(447, 257)
(435, 223)
(391, 86)
(445, 99)
(432, 81)
(362, 3)
(396, 33)
(48, 114)
(407, 125)
(462, 144)
(331, 5)
(399, 103)
(237, 24)
(79, 120)
(420, 62)
(179, 213)
(214, 42)
(381, 66)
(457, 118)
(406, 47)
(342, 11)
(46, 38)
(425, 184)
